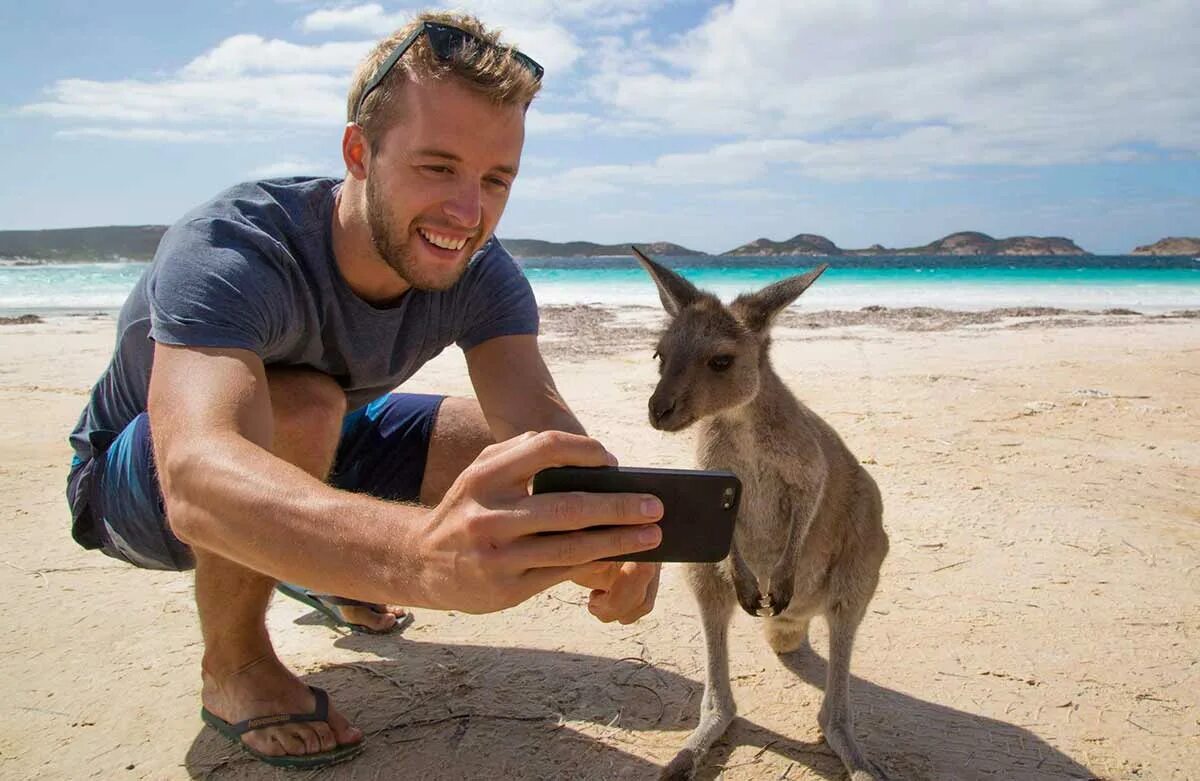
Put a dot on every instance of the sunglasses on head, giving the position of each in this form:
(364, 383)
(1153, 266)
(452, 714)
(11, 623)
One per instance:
(444, 41)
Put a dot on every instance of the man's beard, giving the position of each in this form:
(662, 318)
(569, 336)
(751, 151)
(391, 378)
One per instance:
(395, 251)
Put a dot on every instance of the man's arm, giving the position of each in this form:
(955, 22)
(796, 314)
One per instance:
(212, 427)
(481, 549)
(515, 389)
(517, 394)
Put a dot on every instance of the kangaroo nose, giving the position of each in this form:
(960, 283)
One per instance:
(660, 409)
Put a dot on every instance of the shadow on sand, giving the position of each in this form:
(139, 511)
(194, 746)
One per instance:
(437, 711)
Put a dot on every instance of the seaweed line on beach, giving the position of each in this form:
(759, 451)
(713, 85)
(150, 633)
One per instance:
(580, 331)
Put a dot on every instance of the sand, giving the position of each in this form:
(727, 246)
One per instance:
(1038, 617)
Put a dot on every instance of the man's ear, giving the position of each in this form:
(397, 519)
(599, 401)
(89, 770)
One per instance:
(758, 310)
(674, 291)
(355, 150)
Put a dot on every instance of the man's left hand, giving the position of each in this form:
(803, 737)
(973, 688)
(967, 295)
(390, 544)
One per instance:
(621, 590)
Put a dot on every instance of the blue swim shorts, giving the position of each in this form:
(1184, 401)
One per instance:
(117, 505)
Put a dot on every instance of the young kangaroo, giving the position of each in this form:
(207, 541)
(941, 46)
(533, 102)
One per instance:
(809, 538)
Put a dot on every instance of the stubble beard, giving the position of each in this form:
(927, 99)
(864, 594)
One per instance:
(395, 250)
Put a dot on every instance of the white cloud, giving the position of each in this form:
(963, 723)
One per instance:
(747, 162)
(369, 18)
(295, 167)
(533, 27)
(541, 122)
(242, 54)
(155, 134)
(1011, 83)
(290, 99)
(838, 91)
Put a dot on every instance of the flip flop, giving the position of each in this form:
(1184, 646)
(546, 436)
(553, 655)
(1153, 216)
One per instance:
(234, 733)
(327, 604)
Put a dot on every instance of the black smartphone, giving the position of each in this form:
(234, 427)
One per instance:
(699, 507)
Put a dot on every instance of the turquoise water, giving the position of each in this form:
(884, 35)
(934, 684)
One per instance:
(1141, 284)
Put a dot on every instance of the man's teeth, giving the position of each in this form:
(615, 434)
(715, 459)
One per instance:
(445, 242)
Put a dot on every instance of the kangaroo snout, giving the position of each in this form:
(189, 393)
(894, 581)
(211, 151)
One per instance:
(668, 412)
(660, 409)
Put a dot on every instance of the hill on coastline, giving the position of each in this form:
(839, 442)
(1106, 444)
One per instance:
(962, 243)
(1172, 245)
(138, 242)
(111, 242)
(536, 248)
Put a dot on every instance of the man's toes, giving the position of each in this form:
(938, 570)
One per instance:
(264, 743)
(379, 621)
(325, 735)
(343, 733)
(312, 743)
(289, 741)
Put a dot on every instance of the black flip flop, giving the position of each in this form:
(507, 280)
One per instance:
(327, 604)
(234, 733)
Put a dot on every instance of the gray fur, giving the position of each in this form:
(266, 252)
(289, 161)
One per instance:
(809, 539)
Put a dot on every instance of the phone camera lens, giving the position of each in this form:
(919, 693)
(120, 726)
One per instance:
(727, 498)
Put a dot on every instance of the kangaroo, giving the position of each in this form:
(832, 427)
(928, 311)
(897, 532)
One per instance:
(809, 538)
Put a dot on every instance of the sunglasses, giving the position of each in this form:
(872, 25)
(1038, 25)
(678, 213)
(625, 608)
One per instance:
(444, 41)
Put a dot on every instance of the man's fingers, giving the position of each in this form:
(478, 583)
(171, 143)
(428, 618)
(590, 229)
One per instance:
(563, 511)
(631, 596)
(538, 580)
(515, 461)
(597, 576)
(570, 549)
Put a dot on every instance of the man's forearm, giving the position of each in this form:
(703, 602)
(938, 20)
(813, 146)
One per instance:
(234, 498)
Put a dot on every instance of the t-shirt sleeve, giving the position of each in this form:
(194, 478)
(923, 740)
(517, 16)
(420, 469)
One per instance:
(499, 300)
(220, 283)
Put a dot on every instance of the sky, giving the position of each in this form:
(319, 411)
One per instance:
(706, 124)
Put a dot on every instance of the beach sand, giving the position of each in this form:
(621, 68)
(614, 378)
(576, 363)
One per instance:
(1038, 616)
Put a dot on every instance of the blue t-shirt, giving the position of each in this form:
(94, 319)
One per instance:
(254, 269)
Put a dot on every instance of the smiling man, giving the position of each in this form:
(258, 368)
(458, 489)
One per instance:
(247, 427)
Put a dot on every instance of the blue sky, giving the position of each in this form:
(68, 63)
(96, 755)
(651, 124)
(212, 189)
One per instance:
(707, 124)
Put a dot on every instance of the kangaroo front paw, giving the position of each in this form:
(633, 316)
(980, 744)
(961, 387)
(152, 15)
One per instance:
(681, 768)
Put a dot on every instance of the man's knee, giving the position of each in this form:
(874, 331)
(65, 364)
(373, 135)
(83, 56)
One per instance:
(300, 396)
(308, 409)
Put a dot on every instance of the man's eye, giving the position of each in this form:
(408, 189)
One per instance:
(720, 363)
(437, 169)
(499, 183)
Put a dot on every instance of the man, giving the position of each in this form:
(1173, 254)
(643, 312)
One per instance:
(232, 430)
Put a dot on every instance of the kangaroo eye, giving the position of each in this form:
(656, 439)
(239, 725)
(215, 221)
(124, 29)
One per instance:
(720, 363)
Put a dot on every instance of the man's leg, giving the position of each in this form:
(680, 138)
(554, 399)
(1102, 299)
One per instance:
(460, 432)
(243, 678)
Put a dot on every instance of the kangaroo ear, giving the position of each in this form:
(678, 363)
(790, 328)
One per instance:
(758, 310)
(674, 291)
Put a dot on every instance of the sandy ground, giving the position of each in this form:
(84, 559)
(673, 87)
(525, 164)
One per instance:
(1038, 617)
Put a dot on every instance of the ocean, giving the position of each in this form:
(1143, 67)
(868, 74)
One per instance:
(1142, 284)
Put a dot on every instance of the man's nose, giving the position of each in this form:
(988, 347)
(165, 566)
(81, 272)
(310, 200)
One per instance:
(464, 207)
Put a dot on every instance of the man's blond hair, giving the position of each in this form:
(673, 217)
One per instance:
(491, 70)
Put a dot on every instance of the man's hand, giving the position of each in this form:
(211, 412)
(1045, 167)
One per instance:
(491, 545)
(621, 590)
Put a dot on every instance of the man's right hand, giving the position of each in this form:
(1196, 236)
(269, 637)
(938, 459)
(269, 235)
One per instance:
(487, 546)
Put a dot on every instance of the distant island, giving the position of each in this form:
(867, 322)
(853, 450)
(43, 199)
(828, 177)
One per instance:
(138, 242)
(963, 243)
(536, 248)
(1172, 245)
(114, 242)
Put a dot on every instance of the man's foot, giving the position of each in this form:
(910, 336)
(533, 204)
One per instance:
(359, 616)
(378, 618)
(265, 688)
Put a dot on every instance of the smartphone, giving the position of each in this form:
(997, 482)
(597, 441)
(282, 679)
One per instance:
(699, 507)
